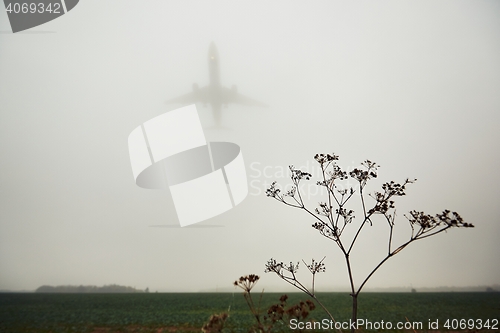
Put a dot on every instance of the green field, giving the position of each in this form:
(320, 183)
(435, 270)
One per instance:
(170, 312)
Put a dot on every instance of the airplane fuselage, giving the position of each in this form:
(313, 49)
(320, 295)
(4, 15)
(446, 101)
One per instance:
(213, 65)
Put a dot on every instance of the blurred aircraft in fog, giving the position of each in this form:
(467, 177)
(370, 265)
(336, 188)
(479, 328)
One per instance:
(214, 94)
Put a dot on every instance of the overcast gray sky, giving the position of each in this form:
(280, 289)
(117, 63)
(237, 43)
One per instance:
(413, 86)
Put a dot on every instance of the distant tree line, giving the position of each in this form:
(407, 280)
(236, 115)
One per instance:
(112, 288)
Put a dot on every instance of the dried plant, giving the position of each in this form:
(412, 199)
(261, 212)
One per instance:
(277, 313)
(215, 323)
(281, 313)
(331, 218)
(247, 283)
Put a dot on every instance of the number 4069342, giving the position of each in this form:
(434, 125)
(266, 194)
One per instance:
(24, 8)
(478, 324)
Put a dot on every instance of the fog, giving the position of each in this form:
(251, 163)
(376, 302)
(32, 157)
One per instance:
(412, 86)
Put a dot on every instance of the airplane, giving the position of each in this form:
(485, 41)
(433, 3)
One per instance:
(215, 94)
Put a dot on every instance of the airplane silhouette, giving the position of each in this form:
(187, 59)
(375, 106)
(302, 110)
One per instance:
(215, 94)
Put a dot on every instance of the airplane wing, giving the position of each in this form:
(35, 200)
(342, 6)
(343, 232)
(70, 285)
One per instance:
(234, 97)
(197, 95)
(215, 96)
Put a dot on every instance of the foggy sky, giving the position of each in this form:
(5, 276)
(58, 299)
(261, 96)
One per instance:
(413, 86)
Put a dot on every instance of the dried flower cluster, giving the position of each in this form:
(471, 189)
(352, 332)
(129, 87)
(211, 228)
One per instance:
(247, 282)
(428, 223)
(278, 267)
(279, 312)
(383, 200)
(323, 159)
(215, 323)
(316, 266)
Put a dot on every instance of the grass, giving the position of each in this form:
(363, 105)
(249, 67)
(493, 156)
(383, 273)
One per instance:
(187, 312)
